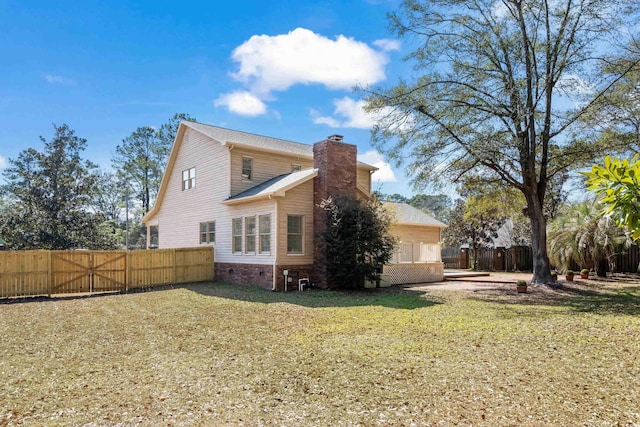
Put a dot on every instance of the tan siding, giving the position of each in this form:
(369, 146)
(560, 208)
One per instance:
(298, 201)
(181, 211)
(265, 167)
(417, 234)
(364, 178)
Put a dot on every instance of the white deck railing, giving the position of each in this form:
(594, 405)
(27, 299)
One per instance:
(412, 252)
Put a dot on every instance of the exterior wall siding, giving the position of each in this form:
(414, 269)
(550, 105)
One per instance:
(364, 178)
(298, 201)
(265, 167)
(224, 250)
(181, 211)
(414, 233)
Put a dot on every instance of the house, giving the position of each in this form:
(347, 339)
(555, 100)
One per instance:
(255, 199)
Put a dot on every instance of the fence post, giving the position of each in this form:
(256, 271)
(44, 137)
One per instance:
(127, 271)
(499, 259)
(50, 279)
(464, 258)
(175, 266)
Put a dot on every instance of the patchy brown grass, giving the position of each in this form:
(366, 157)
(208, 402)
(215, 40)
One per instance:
(216, 354)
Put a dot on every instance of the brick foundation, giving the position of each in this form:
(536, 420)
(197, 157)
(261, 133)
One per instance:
(295, 272)
(245, 274)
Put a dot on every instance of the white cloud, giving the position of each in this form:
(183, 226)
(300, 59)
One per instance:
(3, 162)
(58, 79)
(350, 112)
(384, 172)
(241, 102)
(387, 45)
(275, 63)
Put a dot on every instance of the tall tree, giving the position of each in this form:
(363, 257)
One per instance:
(109, 198)
(49, 196)
(356, 242)
(142, 157)
(615, 117)
(496, 90)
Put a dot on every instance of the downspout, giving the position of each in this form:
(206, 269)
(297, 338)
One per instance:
(275, 243)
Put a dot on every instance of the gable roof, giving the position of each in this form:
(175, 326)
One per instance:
(264, 143)
(274, 187)
(408, 215)
(236, 138)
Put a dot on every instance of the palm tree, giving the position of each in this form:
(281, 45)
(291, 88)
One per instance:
(584, 236)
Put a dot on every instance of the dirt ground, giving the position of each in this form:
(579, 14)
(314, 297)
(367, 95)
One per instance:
(499, 280)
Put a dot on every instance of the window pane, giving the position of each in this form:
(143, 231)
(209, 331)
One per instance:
(250, 234)
(247, 164)
(237, 226)
(265, 233)
(237, 235)
(265, 243)
(250, 225)
(294, 243)
(294, 224)
(265, 224)
(212, 232)
(294, 233)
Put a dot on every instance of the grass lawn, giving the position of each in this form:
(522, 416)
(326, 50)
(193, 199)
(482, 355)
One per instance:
(217, 354)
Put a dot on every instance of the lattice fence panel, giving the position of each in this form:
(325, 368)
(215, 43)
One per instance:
(402, 274)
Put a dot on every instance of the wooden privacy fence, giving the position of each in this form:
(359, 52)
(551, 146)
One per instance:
(520, 258)
(40, 272)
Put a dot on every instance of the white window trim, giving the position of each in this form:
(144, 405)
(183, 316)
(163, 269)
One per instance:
(233, 236)
(190, 182)
(259, 246)
(242, 175)
(255, 234)
(208, 232)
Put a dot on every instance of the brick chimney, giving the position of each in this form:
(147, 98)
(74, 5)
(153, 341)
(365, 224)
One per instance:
(336, 164)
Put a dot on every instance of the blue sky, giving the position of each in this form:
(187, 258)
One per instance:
(279, 68)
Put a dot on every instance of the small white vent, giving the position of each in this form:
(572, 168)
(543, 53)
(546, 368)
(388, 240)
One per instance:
(337, 138)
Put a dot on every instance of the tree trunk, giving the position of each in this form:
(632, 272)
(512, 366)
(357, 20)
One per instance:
(601, 268)
(541, 266)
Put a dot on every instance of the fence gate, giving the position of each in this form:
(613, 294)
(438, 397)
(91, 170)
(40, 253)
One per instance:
(84, 271)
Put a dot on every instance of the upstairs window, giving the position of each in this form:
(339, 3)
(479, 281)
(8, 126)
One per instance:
(295, 229)
(247, 168)
(208, 232)
(188, 178)
(265, 233)
(250, 234)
